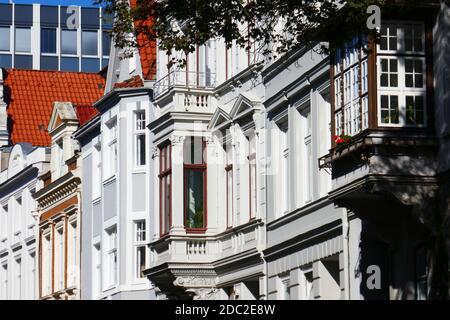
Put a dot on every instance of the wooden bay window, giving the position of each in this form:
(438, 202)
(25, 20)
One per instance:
(381, 85)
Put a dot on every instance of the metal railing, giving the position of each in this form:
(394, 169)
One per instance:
(187, 79)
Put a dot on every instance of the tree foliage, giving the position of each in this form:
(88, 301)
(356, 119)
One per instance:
(275, 26)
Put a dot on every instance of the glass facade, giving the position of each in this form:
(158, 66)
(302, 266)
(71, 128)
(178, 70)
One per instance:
(65, 38)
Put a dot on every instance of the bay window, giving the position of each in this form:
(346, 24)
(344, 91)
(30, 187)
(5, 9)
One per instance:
(194, 184)
(165, 189)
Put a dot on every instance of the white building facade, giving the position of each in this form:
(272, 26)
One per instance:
(18, 237)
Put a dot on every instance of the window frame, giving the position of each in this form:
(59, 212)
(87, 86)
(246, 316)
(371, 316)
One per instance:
(139, 242)
(165, 173)
(195, 167)
(402, 91)
(139, 132)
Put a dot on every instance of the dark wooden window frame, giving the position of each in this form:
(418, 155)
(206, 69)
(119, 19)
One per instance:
(198, 167)
(165, 173)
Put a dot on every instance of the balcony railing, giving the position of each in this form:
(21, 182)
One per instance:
(184, 79)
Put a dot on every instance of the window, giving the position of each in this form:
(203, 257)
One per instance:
(18, 215)
(165, 188)
(194, 184)
(96, 171)
(90, 65)
(111, 165)
(308, 158)
(5, 61)
(139, 137)
(32, 281)
(70, 64)
(106, 43)
(350, 88)
(59, 155)
(47, 265)
(72, 263)
(389, 37)
(5, 36)
(306, 285)
(49, 63)
(4, 282)
(421, 271)
(140, 245)
(89, 43)
(4, 223)
(229, 185)
(59, 258)
(111, 257)
(96, 283)
(252, 176)
(401, 81)
(48, 40)
(69, 42)
(284, 166)
(23, 61)
(285, 290)
(23, 40)
(18, 278)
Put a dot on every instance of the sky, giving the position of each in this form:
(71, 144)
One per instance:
(85, 3)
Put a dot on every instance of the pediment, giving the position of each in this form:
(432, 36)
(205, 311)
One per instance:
(219, 119)
(62, 112)
(246, 102)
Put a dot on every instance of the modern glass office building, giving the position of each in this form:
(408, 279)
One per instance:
(45, 37)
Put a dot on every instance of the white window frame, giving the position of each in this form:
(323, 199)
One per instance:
(111, 164)
(111, 258)
(59, 256)
(139, 131)
(402, 91)
(140, 241)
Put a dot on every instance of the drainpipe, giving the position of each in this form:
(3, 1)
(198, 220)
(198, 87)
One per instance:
(346, 234)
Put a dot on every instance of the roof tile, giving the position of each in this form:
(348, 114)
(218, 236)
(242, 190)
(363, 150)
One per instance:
(31, 94)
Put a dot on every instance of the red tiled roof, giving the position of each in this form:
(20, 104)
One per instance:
(31, 94)
(134, 82)
(147, 48)
(85, 113)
